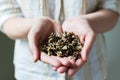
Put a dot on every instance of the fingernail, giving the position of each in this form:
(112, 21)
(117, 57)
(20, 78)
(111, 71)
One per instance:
(34, 57)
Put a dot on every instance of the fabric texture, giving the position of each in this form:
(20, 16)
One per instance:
(59, 10)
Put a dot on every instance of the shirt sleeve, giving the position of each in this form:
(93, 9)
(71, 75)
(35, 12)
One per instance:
(110, 4)
(8, 9)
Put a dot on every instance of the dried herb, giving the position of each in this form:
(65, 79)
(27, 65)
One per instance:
(63, 45)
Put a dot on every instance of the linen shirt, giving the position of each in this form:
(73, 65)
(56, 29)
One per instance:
(59, 10)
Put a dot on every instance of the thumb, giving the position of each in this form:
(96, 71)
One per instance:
(33, 47)
(87, 46)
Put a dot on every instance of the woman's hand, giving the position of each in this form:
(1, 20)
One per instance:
(82, 28)
(40, 29)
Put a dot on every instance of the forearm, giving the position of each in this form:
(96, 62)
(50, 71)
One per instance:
(102, 21)
(17, 27)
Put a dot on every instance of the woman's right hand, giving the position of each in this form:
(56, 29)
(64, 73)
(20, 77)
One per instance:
(40, 29)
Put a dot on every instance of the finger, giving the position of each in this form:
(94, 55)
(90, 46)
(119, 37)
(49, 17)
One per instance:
(62, 69)
(87, 46)
(50, 60)
(71, 71)
(82, 38)
(55, 68)
(33, 47)
(72, 60)
(79, 63)
(64, 61)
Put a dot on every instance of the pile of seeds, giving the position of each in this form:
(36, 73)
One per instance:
(62, 45)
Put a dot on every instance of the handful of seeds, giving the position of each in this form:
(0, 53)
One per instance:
(62, 45)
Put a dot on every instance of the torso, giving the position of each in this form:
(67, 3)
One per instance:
(58, 10)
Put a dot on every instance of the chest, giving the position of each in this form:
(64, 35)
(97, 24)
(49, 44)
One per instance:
(32, 8)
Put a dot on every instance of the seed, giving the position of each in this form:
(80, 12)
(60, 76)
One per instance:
(64, 45)
(59, 54)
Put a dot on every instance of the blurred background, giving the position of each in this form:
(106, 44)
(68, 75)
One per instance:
(6, 58)
(113, 45)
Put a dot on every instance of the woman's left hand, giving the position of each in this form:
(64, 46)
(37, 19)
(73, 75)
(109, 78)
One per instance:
(81, 27)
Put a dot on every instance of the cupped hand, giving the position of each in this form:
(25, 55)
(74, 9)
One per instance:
(81, 27)
(40, 29)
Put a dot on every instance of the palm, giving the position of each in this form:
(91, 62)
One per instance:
(86, 35)
(39, 31)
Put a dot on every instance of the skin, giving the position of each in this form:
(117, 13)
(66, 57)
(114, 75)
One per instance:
(85, 26)
(36, 30)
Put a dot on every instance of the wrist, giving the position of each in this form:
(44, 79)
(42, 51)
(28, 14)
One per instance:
(17, 28)
(89, 21)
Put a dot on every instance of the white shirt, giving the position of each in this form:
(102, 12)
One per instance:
(25, 68)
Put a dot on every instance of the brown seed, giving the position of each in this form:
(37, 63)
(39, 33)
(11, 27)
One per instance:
(63, 45)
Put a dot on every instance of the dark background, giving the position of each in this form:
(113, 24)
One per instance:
(6, 58)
